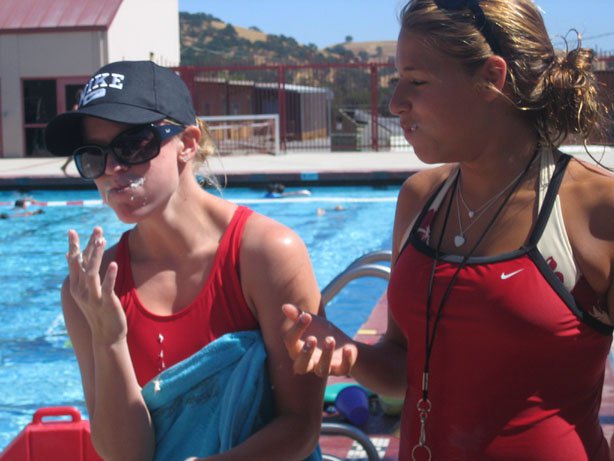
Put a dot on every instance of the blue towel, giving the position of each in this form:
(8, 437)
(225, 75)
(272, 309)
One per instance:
(213, 400)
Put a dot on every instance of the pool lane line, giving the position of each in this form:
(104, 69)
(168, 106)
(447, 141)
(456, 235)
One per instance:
(95, 202)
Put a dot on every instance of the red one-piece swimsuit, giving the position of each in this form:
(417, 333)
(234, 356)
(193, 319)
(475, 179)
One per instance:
(157, 342)
(517, 366)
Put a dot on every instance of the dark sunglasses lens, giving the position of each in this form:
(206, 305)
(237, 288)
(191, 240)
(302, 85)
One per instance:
(136, 146)
(90, 161)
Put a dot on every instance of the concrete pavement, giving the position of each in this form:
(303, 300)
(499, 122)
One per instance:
(293, 167)
(305, 167)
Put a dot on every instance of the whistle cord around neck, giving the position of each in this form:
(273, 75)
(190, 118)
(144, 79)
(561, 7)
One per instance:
(430, 339)
(424, 405)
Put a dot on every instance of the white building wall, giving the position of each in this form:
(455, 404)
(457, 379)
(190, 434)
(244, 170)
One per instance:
(37, 55)
(141, 30)
(138, 34)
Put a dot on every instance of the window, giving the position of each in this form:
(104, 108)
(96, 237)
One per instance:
(43, 99)
(40, 102)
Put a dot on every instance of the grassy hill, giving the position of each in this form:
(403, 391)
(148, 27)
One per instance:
(377, 51)
(207, 40)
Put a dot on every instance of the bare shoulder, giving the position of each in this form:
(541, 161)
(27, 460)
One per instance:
(414, 193)
(266, 238)
(275, 268)
(272, 251)
(590, 190)
(420, 186)
(587, 202)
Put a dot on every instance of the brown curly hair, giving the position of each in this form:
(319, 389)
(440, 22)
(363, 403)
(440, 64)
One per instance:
(558, 92)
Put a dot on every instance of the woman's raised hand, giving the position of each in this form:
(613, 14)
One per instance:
(97, 300)
(325, 349)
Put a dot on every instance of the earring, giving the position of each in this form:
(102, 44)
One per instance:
(185, 158)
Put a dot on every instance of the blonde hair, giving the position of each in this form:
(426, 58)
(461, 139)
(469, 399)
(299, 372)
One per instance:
(559, 94)
(206, 148)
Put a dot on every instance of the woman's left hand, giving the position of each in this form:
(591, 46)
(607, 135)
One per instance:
(317, 346)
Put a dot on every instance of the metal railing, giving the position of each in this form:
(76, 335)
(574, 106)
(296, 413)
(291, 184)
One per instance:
(347, 430)
(361, 267)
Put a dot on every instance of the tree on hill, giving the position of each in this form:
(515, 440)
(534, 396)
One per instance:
(196, 18)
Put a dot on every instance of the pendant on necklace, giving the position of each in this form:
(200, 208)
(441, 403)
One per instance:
(459, 241)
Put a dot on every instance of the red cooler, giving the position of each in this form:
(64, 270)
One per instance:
(54, 439)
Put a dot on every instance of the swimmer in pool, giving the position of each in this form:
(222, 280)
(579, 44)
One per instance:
(20, 210)
(279, 191)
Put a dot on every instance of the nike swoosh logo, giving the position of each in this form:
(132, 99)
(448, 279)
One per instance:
(505, 276)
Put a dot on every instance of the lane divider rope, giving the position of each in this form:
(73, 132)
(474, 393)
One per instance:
(98, 202)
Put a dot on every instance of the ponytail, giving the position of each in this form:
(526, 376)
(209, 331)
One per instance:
(570, 99)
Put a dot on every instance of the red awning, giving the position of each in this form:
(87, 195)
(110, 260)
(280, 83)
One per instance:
(20, 16)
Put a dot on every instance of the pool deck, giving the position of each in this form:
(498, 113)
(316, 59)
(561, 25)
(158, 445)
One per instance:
(291, 168)
(297, 167)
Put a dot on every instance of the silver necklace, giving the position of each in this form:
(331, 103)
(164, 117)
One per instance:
(459, 239)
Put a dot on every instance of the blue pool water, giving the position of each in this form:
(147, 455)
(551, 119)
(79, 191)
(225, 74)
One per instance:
(37, 365)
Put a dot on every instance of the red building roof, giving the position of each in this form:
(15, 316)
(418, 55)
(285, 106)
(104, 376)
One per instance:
(27, 16)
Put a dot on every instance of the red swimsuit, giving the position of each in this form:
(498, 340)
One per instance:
(517, 366)
(157, 342)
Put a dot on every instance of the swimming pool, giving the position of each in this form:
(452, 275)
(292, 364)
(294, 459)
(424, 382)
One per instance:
(38, 368)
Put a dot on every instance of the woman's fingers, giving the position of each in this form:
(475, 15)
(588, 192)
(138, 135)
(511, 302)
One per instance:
(323, 367)
(74, 249)
(93, 260)
(317, 353)
(92, 244)
(84, 265)
(73, 258)
(292, 338)
(304, 361)
(96, 233)
(349, 354)
(291, 312)
(108, 283)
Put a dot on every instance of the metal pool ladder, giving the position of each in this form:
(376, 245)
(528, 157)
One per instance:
(364, 266)
(361, 267)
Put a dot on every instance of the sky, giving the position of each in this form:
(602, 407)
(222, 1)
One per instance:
(329, 22)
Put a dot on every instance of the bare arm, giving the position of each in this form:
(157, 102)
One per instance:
(318, 346)
(275, 268)
(120, 423)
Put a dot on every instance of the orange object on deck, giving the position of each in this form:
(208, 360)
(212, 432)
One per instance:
(54, 439)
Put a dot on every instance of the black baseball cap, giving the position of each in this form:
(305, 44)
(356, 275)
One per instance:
(132, 92)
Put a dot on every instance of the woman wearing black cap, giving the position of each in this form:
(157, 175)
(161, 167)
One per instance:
(171, 326)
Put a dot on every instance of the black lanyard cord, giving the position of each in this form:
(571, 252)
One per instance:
(430, 339)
